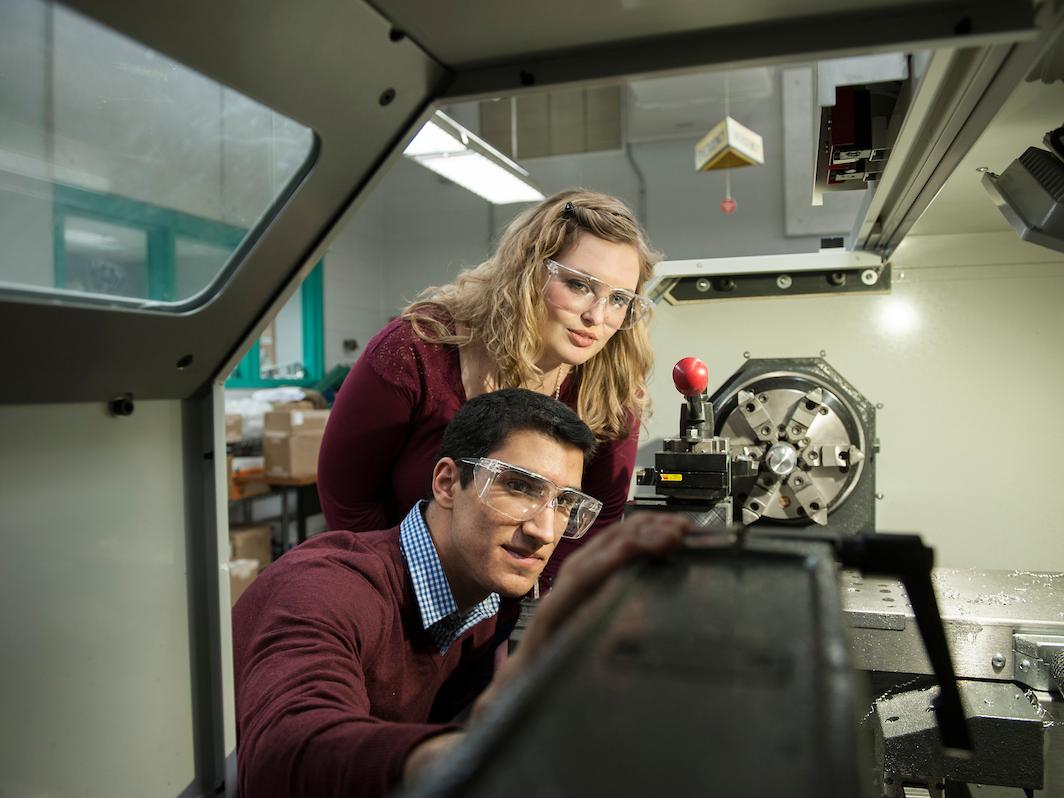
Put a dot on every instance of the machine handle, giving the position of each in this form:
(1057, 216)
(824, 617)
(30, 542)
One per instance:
(906, 557)
(690, 376)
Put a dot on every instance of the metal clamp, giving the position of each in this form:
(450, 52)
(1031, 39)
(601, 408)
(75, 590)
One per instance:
(1037, 660)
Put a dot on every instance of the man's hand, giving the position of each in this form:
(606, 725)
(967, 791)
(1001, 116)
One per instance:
(428, 751)
(648, 534)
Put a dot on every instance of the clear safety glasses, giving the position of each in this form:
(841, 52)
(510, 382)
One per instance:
(576, 291)
(521, 495)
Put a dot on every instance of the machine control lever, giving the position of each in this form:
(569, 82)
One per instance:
(907, 558)
(690, 376)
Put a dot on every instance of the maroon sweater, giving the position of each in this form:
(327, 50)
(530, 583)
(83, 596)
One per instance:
(385, 429)
(336, 681)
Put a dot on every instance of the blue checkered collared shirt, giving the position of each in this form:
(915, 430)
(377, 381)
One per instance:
(439, 611)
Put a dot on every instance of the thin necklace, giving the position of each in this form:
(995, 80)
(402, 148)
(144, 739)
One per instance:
(558, 381)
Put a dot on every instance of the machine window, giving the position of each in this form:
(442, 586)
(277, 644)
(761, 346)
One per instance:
(125, 177)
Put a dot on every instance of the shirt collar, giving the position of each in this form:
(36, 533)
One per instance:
(439, 610)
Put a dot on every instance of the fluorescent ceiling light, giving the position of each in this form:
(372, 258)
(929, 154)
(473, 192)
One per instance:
(432, 140)
(450, 150)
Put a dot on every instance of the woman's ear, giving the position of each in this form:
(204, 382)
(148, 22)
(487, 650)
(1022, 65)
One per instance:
(446, 482)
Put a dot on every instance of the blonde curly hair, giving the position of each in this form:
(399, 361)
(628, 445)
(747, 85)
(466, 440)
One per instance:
(499, 305)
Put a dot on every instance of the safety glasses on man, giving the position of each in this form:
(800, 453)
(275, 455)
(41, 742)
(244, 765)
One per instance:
(573, 290)
(521, 495)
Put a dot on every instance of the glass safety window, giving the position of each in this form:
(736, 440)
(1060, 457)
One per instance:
(125, 177)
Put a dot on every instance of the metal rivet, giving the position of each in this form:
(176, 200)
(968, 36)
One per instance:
(1025, 664)
(998, 661)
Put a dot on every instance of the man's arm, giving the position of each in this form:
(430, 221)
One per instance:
(305, 720)
(584, 573)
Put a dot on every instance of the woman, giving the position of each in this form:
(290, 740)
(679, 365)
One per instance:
(556, 310)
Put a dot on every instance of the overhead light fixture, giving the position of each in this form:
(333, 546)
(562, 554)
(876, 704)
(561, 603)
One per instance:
(448, 149)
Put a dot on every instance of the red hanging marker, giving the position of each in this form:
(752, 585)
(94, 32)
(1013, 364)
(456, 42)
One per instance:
(690, 376)
(728, 205)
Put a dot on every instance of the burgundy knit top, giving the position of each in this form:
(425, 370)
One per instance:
(386, 426)
(336, 681)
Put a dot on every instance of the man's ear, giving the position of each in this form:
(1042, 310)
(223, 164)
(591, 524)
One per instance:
(446, 482)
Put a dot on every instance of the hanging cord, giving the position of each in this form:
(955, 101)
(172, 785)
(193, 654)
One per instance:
(727, 113)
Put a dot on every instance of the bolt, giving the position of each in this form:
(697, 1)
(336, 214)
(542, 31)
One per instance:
(784, 281)
(1025, 664)
(998, 661)
(702, 284)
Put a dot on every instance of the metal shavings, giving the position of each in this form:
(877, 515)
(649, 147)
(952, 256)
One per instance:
(1002, 598)
(1042, 712)
(889, 694)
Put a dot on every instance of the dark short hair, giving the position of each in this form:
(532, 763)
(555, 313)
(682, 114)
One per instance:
(484, 423)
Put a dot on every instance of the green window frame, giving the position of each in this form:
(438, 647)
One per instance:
(162, 227)
(246, 374)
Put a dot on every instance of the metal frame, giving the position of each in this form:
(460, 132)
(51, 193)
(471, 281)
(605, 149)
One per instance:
(961, 92)
(887, 29)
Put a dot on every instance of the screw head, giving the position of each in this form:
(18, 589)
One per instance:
(1025, 664)
(998, 661)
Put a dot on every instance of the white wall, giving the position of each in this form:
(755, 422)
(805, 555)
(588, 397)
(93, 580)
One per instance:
(94, 602)
(353, 285)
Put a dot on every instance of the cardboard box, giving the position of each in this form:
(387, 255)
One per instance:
(241, 574)
(727, 146)
(290, 421)
(251, 543)
(234, 427)
(294, 455)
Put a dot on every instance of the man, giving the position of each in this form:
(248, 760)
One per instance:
(354, 651)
